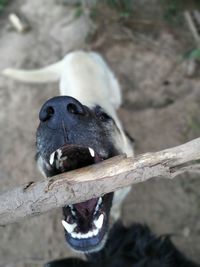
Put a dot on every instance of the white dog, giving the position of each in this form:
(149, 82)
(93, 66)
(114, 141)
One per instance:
(79, 128)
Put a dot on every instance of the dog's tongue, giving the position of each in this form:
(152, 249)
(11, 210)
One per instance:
(86, 209)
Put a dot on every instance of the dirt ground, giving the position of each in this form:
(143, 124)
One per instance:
(160, 110)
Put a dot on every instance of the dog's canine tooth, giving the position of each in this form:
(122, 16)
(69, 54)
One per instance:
(52, 156)
(99, 222)
(69, 227)
(92, 153)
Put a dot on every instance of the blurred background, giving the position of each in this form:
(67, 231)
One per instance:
(154, 49)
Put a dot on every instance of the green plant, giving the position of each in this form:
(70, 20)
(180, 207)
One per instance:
(123, 6)
(3, 3)
(192, 54)
(172, 12)
(192, 125)
(79, 12)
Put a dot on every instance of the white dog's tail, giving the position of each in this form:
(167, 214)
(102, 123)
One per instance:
(50, 73)
(81, 74)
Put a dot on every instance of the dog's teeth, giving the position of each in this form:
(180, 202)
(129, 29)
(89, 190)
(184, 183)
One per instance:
(51, 160)
(69, 227)
(92, 153)
(60, 164)
(72, 210)
(99, 201)
(86, 235)
(59, 153)
(95, 232)
(73, 213)
(98, 204)
(83, 236)
(99, 222)
(64, 158)
(78, 235)
(74, 235)
(90, 234)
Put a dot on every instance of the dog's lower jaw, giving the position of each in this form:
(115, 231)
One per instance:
(115, 214)
(87, 224)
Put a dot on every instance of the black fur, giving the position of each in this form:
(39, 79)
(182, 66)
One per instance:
(134, 246)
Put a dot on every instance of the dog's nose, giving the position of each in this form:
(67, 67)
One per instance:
(61, 108)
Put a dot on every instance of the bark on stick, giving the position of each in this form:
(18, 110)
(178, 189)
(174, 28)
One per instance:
(79, 185)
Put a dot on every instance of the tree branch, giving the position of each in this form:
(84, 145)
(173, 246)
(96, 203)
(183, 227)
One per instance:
(79, 185)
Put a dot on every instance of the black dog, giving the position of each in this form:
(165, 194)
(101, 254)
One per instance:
(134, 246)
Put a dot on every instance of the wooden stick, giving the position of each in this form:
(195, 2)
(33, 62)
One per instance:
(79, 185)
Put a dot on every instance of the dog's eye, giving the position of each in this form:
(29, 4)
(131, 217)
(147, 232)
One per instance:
(104, 117)
(101, 115)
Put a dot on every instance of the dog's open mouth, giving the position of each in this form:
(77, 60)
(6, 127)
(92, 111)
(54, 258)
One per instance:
(85, 223)
(71, 157)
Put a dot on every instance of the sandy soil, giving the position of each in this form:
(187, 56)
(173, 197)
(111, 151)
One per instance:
(160, 110)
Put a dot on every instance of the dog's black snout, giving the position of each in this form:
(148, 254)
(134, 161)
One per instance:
(46, 113)
(75, 108)
(61, 107)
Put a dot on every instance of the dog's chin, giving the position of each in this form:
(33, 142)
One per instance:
(91, 245)
(85, 223)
